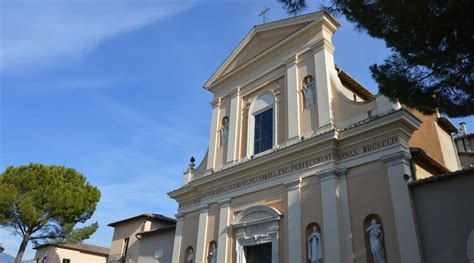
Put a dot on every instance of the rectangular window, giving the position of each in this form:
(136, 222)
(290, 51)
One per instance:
(263, 136)
(65, 260)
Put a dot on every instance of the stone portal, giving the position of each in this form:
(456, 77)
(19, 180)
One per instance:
(256, 233)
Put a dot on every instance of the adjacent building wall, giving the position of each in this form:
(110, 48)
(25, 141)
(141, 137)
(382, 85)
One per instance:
(127, 230)
(445, 217)
(56, 255)
(154, 242)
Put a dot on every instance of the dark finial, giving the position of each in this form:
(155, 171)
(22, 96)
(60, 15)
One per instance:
(191, 162)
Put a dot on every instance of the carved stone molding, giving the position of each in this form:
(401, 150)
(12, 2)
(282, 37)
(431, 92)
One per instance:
(216, 102)
(257, 225)
(397, 158)
(322, 44)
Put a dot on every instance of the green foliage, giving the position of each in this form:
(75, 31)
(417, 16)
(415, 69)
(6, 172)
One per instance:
(292, 7)
(44, 203)
(431, 67)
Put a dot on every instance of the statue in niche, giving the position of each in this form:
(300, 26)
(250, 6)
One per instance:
(308, 91)
(225, 130)
(376, 241)
(213, 253)
(315, 254)
(190, 257)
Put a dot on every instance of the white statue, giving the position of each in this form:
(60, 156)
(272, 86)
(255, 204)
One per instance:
(190, 257)
(224, 131)
(308, 90)
(213, 253)
(376, 241)
(315, 254)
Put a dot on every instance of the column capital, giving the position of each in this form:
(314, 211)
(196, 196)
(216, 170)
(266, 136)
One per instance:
(291, 61)
(224, 202)
(180, 216)
(322, 44)
(277, 90)
(203, 208)
(293, 184)
(333, 173)
(234, 92)
(247, 103)
(397, 158)
(216, 102)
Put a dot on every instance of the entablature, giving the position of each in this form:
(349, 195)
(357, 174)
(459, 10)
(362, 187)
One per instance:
(365, 142)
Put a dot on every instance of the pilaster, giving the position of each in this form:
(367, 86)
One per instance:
(213, 134)
(177, 239)
(202, 234)
(323, 63)
(344, 215)
(294, 244)
(292, 97)
(397, 166)
(331, 218)
(277, 92)
(234, 120)
(223, 242)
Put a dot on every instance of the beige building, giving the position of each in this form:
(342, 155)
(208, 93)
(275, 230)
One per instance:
(70, 253)
(465, 147)
(304, 163)
(146, 238)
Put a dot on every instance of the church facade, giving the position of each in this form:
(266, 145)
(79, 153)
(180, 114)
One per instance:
(304, 164)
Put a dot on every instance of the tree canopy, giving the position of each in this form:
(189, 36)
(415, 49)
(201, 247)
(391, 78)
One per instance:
(432, 42)
(44, 203)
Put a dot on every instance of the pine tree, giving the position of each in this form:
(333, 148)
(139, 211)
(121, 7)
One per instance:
(44, 203)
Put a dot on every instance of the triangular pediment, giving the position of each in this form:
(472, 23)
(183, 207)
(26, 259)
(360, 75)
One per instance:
(261, 38)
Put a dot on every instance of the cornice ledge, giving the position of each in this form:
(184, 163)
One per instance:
(333, 173)
(293, 184)
(203, 208)
(224, 202)
(397, 158)
(234, 93)
(216, 102)
(322, 44)
(290, 61)
(400, 115)
(180, 216)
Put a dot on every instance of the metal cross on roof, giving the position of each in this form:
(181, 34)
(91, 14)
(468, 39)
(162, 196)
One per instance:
(263, 13)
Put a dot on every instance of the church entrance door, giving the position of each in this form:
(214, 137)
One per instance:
(259, 253)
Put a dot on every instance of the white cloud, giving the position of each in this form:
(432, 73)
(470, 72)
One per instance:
(35, 33)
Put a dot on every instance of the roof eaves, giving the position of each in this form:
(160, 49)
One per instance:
(353, 84)
(447, 125)
(148, 216)
(419, 154)
(435, 178)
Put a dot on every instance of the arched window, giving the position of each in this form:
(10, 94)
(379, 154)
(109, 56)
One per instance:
(189, 255)
(262, 120)
(212, 252)
(308, 92)
(224, 131)
(374, 238)
(313, 242)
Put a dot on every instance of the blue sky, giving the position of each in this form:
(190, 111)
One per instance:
(114, 89)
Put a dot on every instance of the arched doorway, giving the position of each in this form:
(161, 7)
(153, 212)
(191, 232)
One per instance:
(256, 232)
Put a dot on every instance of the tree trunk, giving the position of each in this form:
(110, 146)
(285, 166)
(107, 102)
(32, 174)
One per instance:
(22, 249)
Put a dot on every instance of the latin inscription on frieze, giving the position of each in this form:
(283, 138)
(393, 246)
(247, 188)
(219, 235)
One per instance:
(318, 160)
(367, 148)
